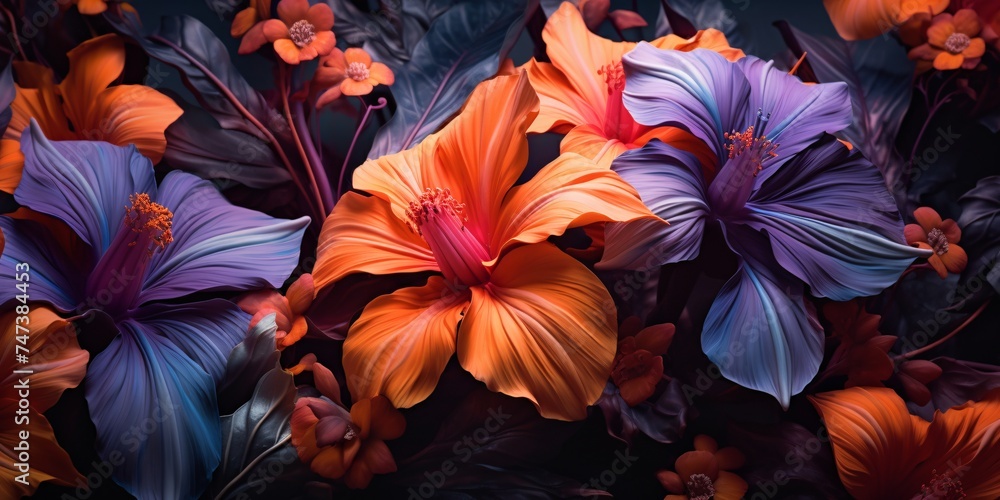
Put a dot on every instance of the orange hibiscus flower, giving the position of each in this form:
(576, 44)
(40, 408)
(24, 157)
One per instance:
(862, 19)
(58, 364)
(942, 236)
(952, 41)
(301, 33)
(638, 365)
(884, 452)
(581, 90)
(349, 72)
(85, 107)
(535, 323)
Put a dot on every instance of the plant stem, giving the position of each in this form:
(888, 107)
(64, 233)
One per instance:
(314, 160)
(357, 133)
(915, 352)
(283, 90)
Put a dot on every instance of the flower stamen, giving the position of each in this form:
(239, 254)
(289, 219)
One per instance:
(302, 33)
(358, 72)
(440, 219)
(938, 241)
(700, 487)
(957, 42)
(150, 218)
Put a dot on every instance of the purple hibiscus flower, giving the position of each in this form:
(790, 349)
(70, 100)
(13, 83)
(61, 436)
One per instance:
(151, 391)
(797, 206)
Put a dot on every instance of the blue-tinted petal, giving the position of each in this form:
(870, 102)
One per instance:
(156, 414)
(800, 113)
(670, 183)
(832, 223)
(218, 246)
(762, 333)
(698, 90)
(86, 184)
(206, 331)
(54, 275)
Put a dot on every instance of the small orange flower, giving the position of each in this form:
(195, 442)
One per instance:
(288, 309)
(349, 72)
(638, 365)
(704, 473)
(249, 24)
(338, 444)
(863, 352)
(862, 19)
(930, 232)
(952, 41)
(303, 33)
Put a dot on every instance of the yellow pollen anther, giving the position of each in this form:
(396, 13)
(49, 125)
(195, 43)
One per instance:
(153, 219)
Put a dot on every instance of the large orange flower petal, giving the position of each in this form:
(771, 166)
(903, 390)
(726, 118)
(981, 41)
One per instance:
(131, 114)
(589, 141)
(42, 104)
(363, 235)
(876, 442)
(561, 108)
(400, 345)
(91, 7)
(861, 19)
(928, 218)
(53, 354)
(486, 149)
(729, 486)
(711, 39)
(946, 61)
(955, 259)
(976, 48)
(356, 55)
(320, 16)
(11, 165)
(351, 87)
(243, 21)
(571, 191)
(579, 54)
(941, 28)
(93, 66)
(542, 329)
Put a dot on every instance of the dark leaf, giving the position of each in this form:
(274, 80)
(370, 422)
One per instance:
(6, 96)
(684, 17)
(204, 64)
(390, 34)
(197, 144)
(248, 361)
(662, 420)
(879, 77)
(962, 381)
(802, 460)
(980, 223)
(463, 47)
(257, 453)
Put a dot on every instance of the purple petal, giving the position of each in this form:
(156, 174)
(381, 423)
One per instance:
(156, 415)
(760, 330)
(833, 223)
(670, 183)
(800, 113)
(698, 90)
(218, 246)
(57, 275)
(206, 331)
(86, 184)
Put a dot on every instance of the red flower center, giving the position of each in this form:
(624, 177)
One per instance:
(358, 72)
(618, 122)
(731, 188)
(700, 487)
(302, 33)
(957, 42)
(440, 219)
(941, 487)
(938, 241)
